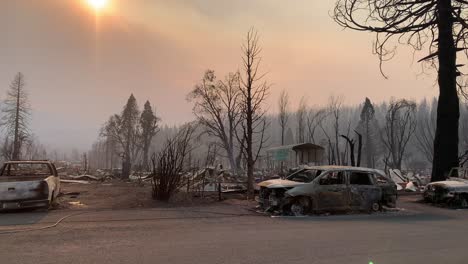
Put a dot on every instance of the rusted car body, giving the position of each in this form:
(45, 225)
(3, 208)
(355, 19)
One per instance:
(28, 184)
(328, 188)
(453, 191)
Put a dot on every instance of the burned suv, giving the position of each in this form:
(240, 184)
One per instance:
(328, 188)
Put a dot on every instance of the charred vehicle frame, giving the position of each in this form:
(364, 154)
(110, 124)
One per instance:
(28, 184)
(328, 188)
(453, 191)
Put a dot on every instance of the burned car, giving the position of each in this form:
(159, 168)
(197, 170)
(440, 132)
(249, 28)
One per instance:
(28, 184)
(453, 191)
(328, 188)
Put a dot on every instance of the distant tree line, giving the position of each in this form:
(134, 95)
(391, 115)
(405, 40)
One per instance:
(395, 134)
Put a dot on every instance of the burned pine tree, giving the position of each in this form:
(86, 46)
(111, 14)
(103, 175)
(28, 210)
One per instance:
(16, 113)
(283, 116)
(124, 129)
(440, 25)
(149, 124)
(367, 126)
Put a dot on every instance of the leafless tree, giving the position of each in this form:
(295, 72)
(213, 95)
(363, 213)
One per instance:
(334, 108)
(6, 149)
(328, 141)
(16, 114)
(33, 149)
(315, 118)
(425, 130)
(283, 117)
(169, 164)
(301, 115)
(217, 108)
(254, 92)
(439, 25)
(400, 124)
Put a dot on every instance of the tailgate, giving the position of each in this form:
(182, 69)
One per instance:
(23, 190)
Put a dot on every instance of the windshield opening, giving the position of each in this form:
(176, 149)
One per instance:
(305, 176)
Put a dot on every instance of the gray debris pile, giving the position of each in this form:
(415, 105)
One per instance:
(410, 182)
(210, 179)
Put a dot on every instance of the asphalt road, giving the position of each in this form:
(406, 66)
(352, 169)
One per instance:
(223, 234)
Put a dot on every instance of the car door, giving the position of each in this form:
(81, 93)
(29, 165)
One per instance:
(332, 191)
(363, 191)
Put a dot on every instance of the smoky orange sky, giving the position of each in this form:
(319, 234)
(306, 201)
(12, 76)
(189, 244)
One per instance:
(80, 68)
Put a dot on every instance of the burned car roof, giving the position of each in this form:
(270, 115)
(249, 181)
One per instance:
(339, 167)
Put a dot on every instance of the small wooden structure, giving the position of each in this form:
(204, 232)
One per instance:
(291, 156)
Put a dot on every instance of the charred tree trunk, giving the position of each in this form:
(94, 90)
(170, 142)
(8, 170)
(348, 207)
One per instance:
(249, 138)
(351, 149)
(359, 154)
(448, 112)
(146, 165)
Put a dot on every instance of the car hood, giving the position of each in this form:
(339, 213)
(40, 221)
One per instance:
(279, 183)
(452, 183)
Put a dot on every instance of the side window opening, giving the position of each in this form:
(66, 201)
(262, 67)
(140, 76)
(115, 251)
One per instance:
(381, 179)
(360, 178)
(333, 178)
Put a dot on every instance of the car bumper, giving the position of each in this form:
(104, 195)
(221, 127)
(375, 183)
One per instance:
(12, 205)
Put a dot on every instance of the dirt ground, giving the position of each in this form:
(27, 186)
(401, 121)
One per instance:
(118, 194)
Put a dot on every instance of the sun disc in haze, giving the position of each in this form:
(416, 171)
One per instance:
(98, 4)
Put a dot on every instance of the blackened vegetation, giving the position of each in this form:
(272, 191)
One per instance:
(440, 25)
(169, 164)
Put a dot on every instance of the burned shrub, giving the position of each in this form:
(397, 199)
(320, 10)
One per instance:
(168, 165)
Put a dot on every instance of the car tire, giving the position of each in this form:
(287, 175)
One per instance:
(300, 206)
(464, 201)
(375, 207)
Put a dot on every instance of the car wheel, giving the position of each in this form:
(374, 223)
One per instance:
(375, 207)
(300, 207)
(464, 202)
